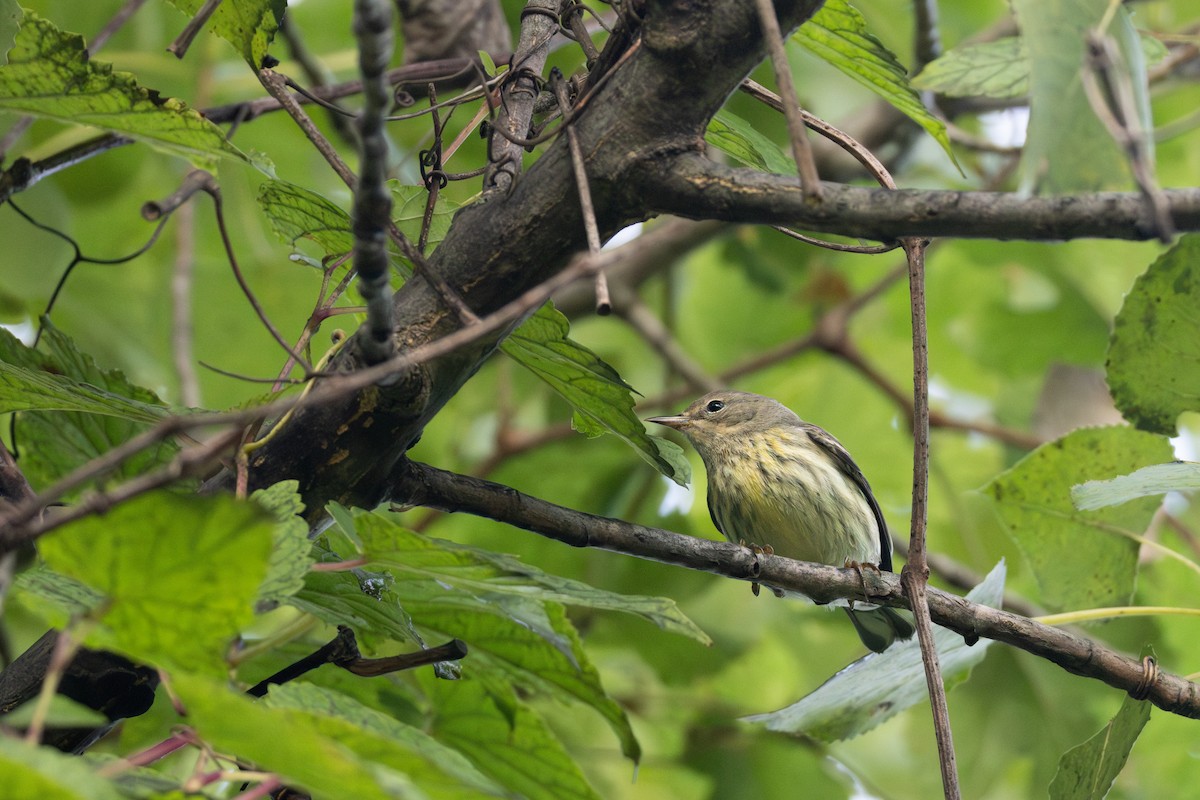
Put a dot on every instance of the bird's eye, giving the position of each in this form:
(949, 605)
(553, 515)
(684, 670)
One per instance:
(714, 406)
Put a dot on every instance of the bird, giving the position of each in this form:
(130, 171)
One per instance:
(788, 487)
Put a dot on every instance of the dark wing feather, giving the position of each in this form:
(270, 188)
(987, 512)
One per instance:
(846, 465)
(712, 513)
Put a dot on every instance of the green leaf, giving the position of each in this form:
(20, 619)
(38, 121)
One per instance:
(296, 213)
(1152, 481)
(291, 550)
(737, 138)
(532, 644)
(1087, 771)
(179, 574)
(363, 600)
(10, 23)
(63, 381)
(408, 212)
(55, 597)
(249, 25)
(989, 69)
(1080, 558)
(380, 739)
(506, 739)
(287, 742)
(1154, 353)
(997, 69)
(592, 387)
(838, 34)
(49, 75)
(91, 410)
(484, 573)
(881, 685)
(47, 774)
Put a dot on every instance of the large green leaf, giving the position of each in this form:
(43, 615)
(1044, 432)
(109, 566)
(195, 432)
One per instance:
(737, 138)
(179, 574)
(602, 401)
(296, 213)
(287, 742)
(1080, 558)
(361, 599)
(838, 34)
(487, 574)
(249, 25)
(533, 645)
(1087, 771)
(505, 739)
(47, 774)
(291, 550)
(880, 685)
(1154, 353)
(375, 737)
(1067, 148)
(49, 75)
(997, 69)
(66, 380)
(74, 409)
(988, 69)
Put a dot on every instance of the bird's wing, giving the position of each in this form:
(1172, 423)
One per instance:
(823, 439)
(712, 513)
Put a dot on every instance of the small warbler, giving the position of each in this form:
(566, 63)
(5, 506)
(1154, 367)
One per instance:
(789, 487)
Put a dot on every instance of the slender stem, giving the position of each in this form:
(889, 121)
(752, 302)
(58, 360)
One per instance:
(915, 576)
(810, 181)
(183, 41)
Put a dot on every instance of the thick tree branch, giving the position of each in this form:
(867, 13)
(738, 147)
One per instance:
(501, 247)
(418, 484)
(691, 185)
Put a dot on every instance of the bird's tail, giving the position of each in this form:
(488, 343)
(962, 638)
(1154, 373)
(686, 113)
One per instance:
(880, 627)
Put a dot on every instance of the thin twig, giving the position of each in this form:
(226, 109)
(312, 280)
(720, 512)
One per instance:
(915, 576)
(860, 249)
(839, 137)
(316, 74)
(211, 188)
(810, 181)
(183, 41)
(586, 208)
(276, 86)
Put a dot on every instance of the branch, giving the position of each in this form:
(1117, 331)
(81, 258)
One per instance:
(692, 186)
(915, 577)
(418, 484)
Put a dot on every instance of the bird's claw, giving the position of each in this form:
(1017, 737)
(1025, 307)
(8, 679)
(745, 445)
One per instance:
(858, 568)
(756, 550)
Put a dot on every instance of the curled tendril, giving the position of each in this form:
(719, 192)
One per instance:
(403, 98)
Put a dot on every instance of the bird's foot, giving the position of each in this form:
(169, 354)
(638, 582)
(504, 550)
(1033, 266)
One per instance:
(858, 567)
(764, 550)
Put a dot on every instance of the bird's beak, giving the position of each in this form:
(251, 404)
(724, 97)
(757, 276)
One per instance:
(676, 422)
